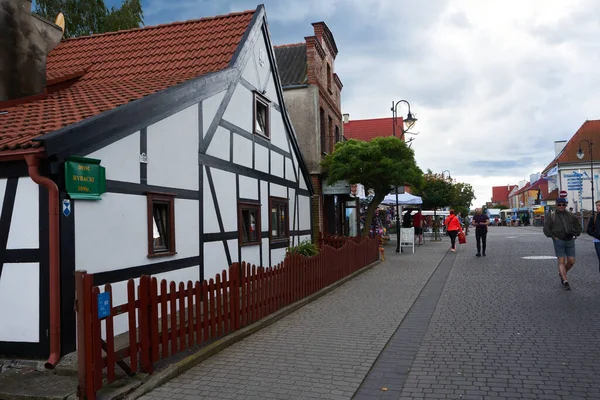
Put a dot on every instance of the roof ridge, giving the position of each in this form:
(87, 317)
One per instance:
(189, 21)
(290, 45)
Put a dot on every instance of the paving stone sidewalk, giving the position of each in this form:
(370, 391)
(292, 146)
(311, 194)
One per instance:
(325, 349)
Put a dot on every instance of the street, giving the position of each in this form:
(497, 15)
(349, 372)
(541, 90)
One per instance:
(433, 324)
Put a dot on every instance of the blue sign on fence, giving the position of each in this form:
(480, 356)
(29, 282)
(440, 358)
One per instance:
(103, 305)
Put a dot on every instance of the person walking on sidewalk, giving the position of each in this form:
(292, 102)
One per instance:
(418, 224)
(452, 227)
(593, 229)
(480, 222)
(563, 227)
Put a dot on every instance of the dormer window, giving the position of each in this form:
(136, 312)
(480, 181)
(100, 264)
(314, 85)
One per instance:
(261, 116)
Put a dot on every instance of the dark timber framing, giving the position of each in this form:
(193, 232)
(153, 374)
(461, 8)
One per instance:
(99, 131)
(37, 349)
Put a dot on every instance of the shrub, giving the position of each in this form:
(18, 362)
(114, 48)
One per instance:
(305, 248)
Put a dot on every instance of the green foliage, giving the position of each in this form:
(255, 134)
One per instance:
(305, 248)
(86, 17)
(463, 197)
(380, 164)
(436, 191)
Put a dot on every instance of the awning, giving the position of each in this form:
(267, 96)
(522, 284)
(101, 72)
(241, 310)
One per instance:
(404, 199)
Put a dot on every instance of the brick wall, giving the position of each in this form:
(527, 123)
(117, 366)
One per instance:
(317, 209)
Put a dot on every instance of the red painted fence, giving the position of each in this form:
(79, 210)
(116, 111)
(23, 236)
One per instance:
(196, 314)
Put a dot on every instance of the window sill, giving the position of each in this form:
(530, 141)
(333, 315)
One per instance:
(250, 244)
(163, 254)
(279, 243)
(262, 135)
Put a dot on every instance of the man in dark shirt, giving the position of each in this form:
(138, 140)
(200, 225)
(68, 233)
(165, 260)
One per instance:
(480, 222)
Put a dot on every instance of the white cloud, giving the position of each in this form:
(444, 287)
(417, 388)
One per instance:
(493, 83)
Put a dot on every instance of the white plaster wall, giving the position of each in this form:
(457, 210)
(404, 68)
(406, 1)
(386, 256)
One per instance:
(302, 181)
(210, 107)
(233, 252)
(224, 183)
(173, 150)
(248, 188)
(19, 313)
(261, 161)
(219, 146)
(264, 209)
(112, 233)
(277, 256)
(215, 259)
(121, 159)
(292, 202)
(279, 136)
(260, 52)
(271, 92)
(289, 170)
(304, 237)
(242, 151)
(276, 164)
(24, 226)
(211, 224)
(278, 191)
(250, 73)
(251, 254)
(239, 109)
(304, 207)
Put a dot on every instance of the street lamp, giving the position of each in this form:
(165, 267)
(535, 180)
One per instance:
(580, 155)
(449, 177)
(409, 121)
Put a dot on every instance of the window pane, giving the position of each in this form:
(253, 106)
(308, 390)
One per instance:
(261, 118)
(253, 227)
(160, 213)
(274, 224)
(282, 221)
(245, 226)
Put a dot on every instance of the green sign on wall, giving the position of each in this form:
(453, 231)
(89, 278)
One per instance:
(85, 179)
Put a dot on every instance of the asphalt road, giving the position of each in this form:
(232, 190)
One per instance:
(432, 324)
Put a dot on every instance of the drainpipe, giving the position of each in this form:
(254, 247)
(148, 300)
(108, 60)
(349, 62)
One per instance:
(33, 162)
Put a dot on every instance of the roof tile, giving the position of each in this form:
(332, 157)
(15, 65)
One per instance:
(367, 129)
(102, 72)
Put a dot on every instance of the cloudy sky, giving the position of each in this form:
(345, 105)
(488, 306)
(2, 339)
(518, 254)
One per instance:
(493, 82)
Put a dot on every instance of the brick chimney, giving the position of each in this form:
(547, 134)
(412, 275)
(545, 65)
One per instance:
(25, 41)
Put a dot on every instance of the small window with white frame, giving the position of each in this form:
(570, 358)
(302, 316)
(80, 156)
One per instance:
(261, 116)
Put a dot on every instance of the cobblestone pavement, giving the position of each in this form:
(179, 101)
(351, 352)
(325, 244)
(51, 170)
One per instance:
(428, 325)
(504, 328)
(322, 351)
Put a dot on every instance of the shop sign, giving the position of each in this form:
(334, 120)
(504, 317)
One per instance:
(339, 187)
(85, 179)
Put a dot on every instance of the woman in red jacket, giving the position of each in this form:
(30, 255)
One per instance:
(452, 227)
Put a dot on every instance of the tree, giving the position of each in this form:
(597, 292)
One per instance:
(380, 164)
(86, 17)
(463, 197)
(437, 191)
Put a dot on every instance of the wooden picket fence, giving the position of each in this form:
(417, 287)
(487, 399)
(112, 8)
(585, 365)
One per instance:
(167, 318)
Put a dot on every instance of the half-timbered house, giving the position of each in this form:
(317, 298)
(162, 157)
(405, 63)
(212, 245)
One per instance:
(164, 150)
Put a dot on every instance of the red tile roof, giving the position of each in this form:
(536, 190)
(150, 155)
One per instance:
(590, 130)
(90, 75)
(500, 193)
(367, 129)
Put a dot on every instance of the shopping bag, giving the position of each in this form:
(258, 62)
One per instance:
(462, 238)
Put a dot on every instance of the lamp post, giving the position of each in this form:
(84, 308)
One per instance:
(409, 122)
(580, 155)
(449, 177)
